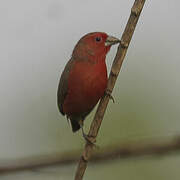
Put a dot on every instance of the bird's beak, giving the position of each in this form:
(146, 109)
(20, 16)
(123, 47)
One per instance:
(111, 41)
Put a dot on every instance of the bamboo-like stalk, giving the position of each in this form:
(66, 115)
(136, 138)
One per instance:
(117, 63)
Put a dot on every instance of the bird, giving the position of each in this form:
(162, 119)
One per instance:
(83, 81)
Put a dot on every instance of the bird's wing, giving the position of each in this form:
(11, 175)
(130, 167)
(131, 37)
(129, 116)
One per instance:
(63, 85)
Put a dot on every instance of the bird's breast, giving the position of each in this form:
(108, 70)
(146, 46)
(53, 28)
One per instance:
(86, 85)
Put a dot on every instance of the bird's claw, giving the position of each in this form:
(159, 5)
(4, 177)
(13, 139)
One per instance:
(89, 139)
(107, 92)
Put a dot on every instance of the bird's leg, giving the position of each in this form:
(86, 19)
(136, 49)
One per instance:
(88, 139)
(67, 117)
(108, 93)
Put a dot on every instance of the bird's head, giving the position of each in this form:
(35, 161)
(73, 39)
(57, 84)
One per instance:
(95, 45)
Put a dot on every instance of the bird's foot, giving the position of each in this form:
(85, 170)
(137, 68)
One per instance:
(108, 93)
(89, 139)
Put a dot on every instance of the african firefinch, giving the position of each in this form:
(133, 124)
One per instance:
(84, 79)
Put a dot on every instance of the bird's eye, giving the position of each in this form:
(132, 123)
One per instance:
(98, 39)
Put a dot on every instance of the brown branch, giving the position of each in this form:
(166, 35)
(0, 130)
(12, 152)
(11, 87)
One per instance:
(123, 151)
(117, 63)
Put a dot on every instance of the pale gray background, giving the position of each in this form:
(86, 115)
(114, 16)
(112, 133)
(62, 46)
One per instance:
(36, 40)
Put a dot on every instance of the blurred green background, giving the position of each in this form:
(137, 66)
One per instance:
(37, 39)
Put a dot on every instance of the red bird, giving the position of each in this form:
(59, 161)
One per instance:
(84, 79)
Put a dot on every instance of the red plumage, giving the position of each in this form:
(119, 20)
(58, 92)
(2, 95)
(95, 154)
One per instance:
(84, 79)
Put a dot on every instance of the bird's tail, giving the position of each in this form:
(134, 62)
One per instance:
(75, 125)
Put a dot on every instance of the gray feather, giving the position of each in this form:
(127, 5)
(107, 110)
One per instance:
(63, 85)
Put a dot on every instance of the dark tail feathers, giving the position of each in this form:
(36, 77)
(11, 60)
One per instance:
(75, 125)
